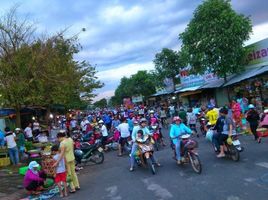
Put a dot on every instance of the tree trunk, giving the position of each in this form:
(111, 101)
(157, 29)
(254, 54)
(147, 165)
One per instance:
(18, 118)
(47, 115)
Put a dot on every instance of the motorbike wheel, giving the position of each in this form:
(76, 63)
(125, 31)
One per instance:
(195, 162)
(97, 157)
(151, 166)
(234, 153)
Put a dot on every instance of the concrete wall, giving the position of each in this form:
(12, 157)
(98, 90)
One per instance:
(222, 96)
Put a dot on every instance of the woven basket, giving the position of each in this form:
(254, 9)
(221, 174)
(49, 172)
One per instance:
(47, 165)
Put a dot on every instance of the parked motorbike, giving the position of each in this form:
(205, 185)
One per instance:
(144, 154)
(189, 153)
(89, 153)
(112, 140)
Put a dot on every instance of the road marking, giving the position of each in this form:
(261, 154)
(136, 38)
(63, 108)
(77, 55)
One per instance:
(262, 164)
(158, 190)
(233, 198)
(250, 179)
(113, 193)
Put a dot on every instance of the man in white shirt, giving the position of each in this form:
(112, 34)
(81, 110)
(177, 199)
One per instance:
(123, 128)
(28, 132)
(104, 133)
(84, 124)
(36, 128)
(12, 146)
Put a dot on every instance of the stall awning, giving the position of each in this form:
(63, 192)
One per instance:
(188, 89)
(184, 94)
(249, 73)
(161, 93)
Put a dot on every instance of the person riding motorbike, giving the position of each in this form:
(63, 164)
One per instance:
(227, 131)
(212, 115)
(219, 128)
(143, 127)
(177, 130)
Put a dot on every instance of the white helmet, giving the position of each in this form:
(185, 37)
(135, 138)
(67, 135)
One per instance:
(17, 129)
(101, 122)
(251, 106)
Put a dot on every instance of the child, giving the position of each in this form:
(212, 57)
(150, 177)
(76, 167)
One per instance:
(60, 171)
(20, 142)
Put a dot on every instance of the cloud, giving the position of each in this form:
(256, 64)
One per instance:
(123, 36)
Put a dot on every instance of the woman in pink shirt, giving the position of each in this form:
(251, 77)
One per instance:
(34, 179)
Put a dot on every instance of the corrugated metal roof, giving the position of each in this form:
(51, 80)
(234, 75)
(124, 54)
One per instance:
(188, 89)
(247, 74)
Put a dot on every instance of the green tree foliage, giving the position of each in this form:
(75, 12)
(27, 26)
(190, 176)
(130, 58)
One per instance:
(41, 71)
(213, 40)
(139, 84)
(168, 64)
(102, 103)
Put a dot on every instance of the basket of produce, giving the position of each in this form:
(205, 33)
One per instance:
(47, 165)
(4, 160)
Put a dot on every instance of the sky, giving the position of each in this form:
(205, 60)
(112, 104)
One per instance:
(123, 36)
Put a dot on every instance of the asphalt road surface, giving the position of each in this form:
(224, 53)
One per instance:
(221, 178)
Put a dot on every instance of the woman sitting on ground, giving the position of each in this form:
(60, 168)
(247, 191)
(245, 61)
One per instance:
(34, 179)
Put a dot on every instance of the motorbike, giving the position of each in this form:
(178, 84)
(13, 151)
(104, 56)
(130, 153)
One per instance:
(156, 136)
(112, 140)
(144, 154)
(189, 153)
(88, 153)
(232, 148)
(203, 123)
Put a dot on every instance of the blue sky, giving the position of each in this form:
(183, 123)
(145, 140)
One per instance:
(123, 36)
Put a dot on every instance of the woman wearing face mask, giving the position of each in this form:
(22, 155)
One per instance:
(34, 179)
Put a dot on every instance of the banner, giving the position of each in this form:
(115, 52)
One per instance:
(258, 52)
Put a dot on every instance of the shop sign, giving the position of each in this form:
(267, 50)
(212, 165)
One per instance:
(258, 52)
(169, 84)
(137, 99)
(192, 80)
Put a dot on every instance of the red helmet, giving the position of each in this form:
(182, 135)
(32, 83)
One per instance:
(176, 118)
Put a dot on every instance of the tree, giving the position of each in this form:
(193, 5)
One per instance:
(168, 64)
(101, 103)
(15, 76)
(41, 71)
(213, 40)
(139, 84)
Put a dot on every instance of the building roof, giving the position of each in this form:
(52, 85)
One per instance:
(249, 73)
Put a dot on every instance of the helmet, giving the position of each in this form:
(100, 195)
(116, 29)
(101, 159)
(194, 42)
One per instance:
(265, 111)
(100, 122)
(176, 118)
(143, 120)
(17, 129)
(224, 110)
(62, 131)
(151, 112)
(251, 106)
(210, 106)
(135, 122)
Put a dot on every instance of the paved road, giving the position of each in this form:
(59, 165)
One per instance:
(221, 179)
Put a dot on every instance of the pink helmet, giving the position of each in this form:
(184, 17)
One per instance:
(176, 118)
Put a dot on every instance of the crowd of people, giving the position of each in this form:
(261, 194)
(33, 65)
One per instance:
(132, 125)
